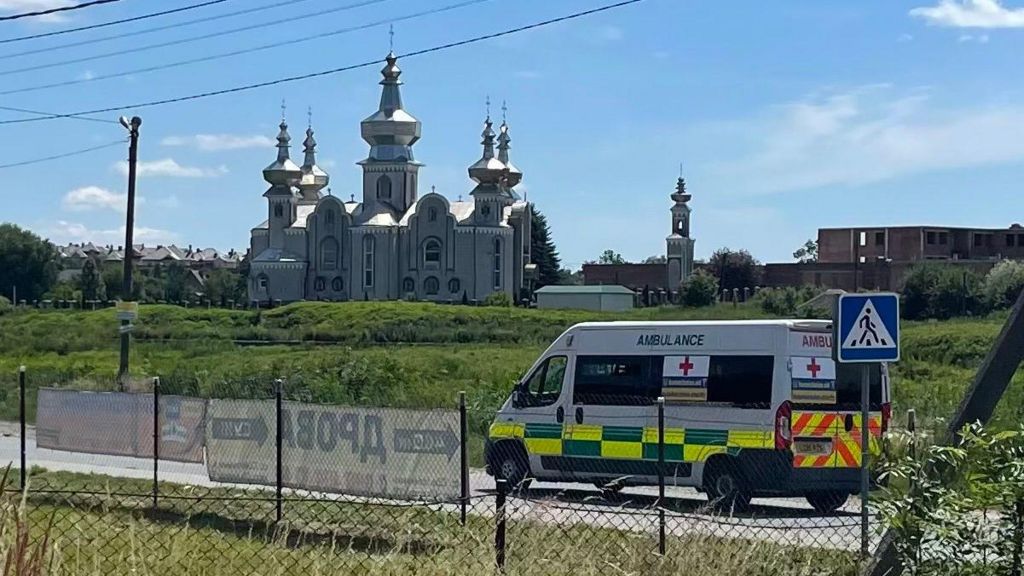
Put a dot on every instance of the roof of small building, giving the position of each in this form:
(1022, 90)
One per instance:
(606, 289)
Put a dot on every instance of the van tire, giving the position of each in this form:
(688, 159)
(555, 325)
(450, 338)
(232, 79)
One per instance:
(826, 502)
(512, 466)
(724, 484)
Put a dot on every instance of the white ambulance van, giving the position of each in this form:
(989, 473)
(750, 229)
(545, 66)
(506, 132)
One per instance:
(752, 408)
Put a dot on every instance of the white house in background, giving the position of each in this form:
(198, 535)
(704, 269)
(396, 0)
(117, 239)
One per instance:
(598, 298)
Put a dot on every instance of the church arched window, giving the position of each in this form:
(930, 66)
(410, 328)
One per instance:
(454, 286)
(330, 217)
(497, 264)
(384, 187)
(320, 283)
(278, 211)
(368, 257)
(432, 214)
(431, 286)
(337, 285)
(431, 253)
(329, 254)
(262, 281)
(408, 285)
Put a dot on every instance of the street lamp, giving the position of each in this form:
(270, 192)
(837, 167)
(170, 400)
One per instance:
(126, 287)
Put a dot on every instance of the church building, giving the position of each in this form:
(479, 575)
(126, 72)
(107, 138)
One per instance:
(394, 244)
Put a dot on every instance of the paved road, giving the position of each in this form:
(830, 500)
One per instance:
(781, 520)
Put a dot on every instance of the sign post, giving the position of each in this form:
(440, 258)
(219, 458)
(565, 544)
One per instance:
(866, 330)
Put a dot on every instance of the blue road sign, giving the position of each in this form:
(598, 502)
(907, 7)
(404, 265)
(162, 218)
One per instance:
(868, 328)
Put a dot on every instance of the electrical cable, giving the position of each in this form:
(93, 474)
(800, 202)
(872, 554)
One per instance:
(64, 155)
(56, 10)
(179, 41)
(329, 72)
(111, 22)
(262, 47)
(153, 29)
(72, 116)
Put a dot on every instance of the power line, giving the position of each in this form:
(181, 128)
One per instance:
(38, 113)
(243, 51)
(64, 155)
(332, 71)
(179, 41)
(111, 22)
(153, 29)
(56, 10)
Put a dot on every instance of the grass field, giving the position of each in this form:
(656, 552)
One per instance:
(402, 354)
(109, 528)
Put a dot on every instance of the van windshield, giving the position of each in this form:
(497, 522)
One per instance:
(848, 391)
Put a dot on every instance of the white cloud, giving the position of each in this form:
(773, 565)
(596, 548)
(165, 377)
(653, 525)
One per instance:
(611, 33)
(20, 6)
(971, 14)
(93, 198)
(220, 142)
(169, 167)
(864, 136)
(980, 39)
(87, 75)
(65, 232)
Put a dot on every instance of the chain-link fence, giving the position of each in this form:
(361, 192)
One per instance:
(154, 482)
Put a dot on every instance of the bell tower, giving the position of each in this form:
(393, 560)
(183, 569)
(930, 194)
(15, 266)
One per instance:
(679, 243)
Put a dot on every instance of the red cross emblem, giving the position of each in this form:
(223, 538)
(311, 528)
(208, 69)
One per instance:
(814, 368)
(686, 366)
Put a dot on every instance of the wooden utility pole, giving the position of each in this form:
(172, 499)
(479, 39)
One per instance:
(129, 252)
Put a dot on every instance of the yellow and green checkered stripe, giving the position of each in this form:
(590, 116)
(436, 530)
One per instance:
(628, 442)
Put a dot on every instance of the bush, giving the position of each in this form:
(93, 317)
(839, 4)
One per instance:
(1003, 284)
(700, 290)
(787, 301)
(498, 299)
(941, 291)
(5, 306)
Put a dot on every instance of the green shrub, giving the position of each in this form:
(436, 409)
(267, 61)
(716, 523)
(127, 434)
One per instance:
(498, 299)
(700, 290)
(5, 306)
(787, 301)
(1003, 284)
(942, 291)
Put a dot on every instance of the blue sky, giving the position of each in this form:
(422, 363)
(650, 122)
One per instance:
(787, 116)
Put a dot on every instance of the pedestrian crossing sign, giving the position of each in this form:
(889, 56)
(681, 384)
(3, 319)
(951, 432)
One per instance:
(867, 328)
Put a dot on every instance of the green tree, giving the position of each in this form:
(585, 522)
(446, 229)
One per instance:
(611, 257)
(113, 280)
(222, 285)
(567, 277)
(701, 289)
(90, 282)
(542, 250)
(1003, 284)
(734, 269)
(660, 259)
(942, 291)
(175, 282)
(808, 252)
(27, 263)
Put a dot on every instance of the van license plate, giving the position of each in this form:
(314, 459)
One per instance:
(817, 447)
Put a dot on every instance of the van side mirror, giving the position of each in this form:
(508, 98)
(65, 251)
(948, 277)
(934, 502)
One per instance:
(517, 398)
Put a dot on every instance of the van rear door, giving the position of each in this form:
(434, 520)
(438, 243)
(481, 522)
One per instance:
(849, 416)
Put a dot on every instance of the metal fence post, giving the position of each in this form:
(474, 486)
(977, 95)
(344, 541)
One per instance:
(278, 393)
(21, 419)
(912, 428)
(499, 527)
(865, 455)
(464, 457)
(661, 475)
(156, 442)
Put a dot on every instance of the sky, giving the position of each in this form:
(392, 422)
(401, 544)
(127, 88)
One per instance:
(785, 116)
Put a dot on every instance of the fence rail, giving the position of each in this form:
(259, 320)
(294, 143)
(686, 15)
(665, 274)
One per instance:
(276, 486)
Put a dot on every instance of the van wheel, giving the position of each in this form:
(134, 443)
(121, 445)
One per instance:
(724, 485)
(826, 502)
(513, 468)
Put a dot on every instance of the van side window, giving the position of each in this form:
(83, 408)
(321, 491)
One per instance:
(545, 384)
(615, 381)
(848, 392)
(743, 381)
